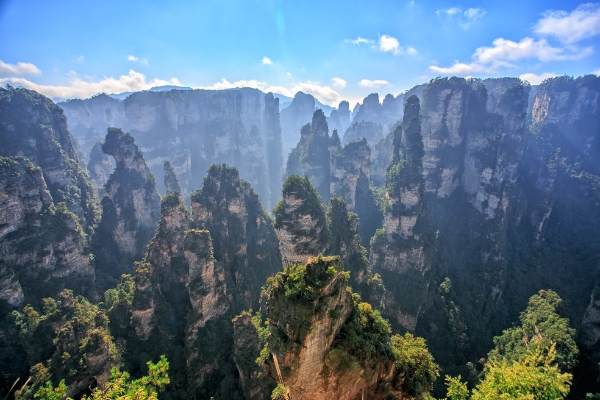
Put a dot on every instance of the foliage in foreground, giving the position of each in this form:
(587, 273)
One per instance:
(119, 386)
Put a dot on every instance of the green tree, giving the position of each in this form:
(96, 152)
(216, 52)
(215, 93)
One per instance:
(415, 366)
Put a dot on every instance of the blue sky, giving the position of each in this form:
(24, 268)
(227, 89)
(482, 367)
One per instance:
(333, 49)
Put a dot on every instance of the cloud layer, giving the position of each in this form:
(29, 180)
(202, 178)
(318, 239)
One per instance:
(373, 84)
(82, 88)
(581, 23)
(385, 44)
(20, 68)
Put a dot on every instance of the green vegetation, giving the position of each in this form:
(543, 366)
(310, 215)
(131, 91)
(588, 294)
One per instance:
(416, 369)
(119, 386)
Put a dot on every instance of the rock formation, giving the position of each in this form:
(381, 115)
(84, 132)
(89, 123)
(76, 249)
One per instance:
(193, 129)
(300, 221)
(42, 245)
(340, 119)
(99, 168)
(170, 178)
(130, 208)
(371, 131)
(298, 114)
(31, 125)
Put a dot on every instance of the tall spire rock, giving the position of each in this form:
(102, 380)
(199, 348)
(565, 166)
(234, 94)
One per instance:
(99, 167)
(273, 148)
(293, 117)
(300, 221)
(130, 208)
(398, 249)
(311, 156)
(170, 178)
(31, 125)
(42, 245)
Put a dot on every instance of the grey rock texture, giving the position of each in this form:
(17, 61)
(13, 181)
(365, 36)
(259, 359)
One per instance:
(32, 126)
(42, 245)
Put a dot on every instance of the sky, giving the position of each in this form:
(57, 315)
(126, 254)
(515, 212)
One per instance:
(335, 50)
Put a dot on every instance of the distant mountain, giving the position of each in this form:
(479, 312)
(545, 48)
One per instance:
(166, 88)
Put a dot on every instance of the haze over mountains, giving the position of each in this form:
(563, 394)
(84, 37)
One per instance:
(437, 201)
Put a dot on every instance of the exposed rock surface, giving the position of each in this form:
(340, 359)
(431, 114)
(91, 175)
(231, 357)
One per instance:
(295, 116)
(31, 125)
(340, 119)
(351, 172)
(371, 131)
(130, 208)
(193, 129)
(170, 178)
(99, 168)
(300, 221)
(42, 246)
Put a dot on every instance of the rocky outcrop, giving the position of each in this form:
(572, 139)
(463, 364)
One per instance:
(371, 131)
(300, 221)
(31, 125)
(89, 117)
(273, 149)
(311, 155)
(42, 245)
(383, 114)
(351, 172)
(131, 206)
(99, 169)
(295, 116)
(256, 385)
(340, 119)
(243, 236)
(193, 129)
(170, 178)
(399, 247)
(589, 335)
(311, 312)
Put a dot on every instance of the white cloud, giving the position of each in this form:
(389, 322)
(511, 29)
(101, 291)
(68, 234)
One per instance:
(360, 40)
(581, 23)
(267, 61)
(505, 52)
(389, 44)
(288, 73)
(386, 44)
(20, 68)
(373, 84)
(80, 59)
(463, 18)
(142, 61)
(82, 88)
(324, 94)
(596, 72)
(536, 79)
(339, 82)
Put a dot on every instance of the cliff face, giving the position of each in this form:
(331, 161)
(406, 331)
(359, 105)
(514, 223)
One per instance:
(274, 148)
(99, 167)
(340, 118)
(88, 117)
(31, 125)
(351, 172)
(295, 116)
(42, 246)
(131, 206)
(300, 221)
(371, 131)
(193, 129)
(320, 343)
(170, 178)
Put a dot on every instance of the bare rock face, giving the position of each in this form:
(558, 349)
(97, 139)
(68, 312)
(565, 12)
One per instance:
(244, 240)
(298, 114)
(256, 385)
(95, 114)
(351, 172)
(31, 125)
(193, 129)
(170, 177)
(399, 249)
(311, 155)
(309, 310)
(300, 221)
(131, 206)
(100, 168)
(340, 118)
(273, 149)
(42, 245)
(371, 131)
